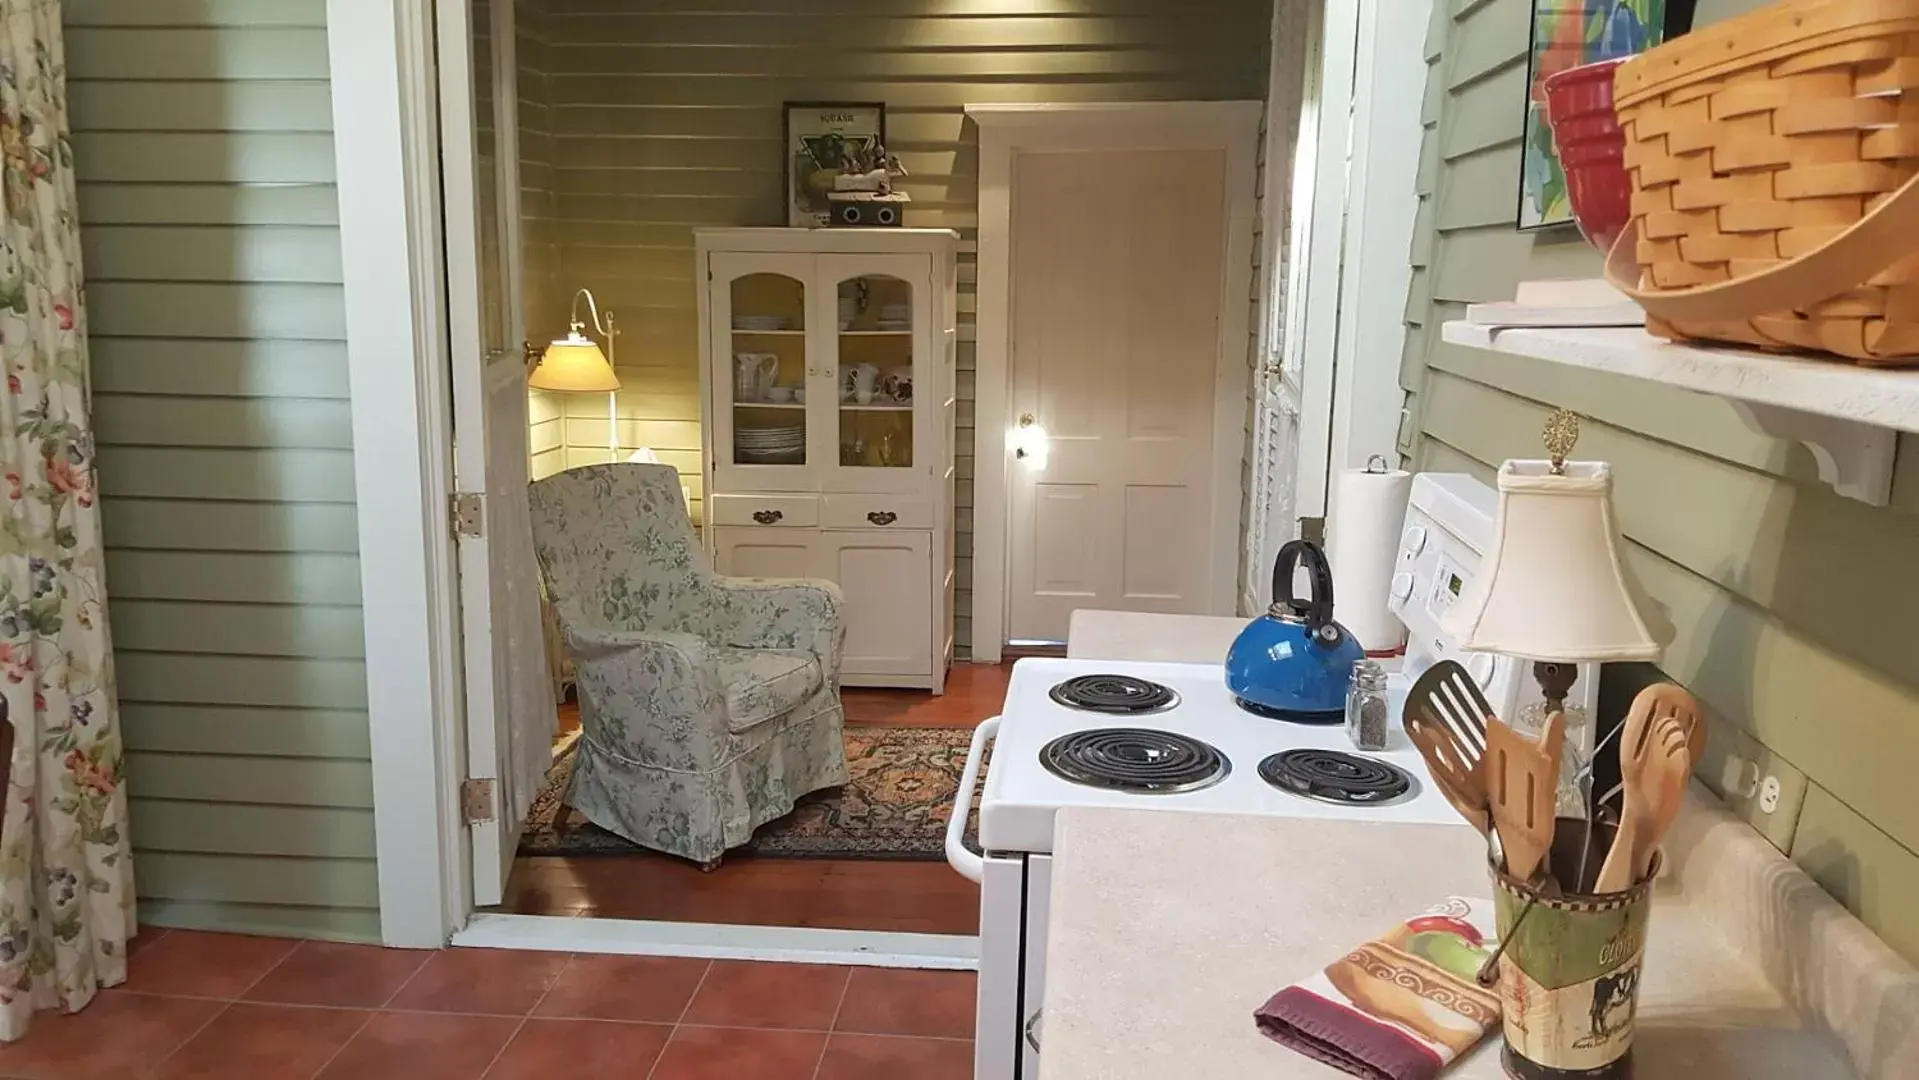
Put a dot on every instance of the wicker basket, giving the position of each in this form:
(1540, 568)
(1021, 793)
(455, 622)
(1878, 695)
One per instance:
(1775, 168)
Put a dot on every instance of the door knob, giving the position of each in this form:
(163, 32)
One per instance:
(1030, 442)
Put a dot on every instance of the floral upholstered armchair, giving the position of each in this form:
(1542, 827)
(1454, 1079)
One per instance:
(707, 704)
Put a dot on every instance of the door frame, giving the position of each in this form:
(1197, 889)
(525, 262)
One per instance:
(1361, 142)
(1006, 130)
(386, 152)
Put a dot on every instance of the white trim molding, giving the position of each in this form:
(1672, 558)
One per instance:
(386, 151)
(1379, 204)
(1007, 130)
(717, 941)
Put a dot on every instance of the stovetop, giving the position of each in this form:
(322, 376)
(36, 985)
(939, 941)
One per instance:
(1022, 793)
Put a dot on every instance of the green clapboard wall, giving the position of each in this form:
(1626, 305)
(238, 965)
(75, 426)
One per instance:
(1797, 611)
(202, 137)
(664, 116)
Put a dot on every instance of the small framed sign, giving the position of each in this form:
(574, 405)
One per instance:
(820, 137)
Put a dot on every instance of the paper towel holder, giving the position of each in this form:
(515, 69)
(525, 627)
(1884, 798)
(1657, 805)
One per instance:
(1384, 465)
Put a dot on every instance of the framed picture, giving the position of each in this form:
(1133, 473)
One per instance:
(820, 136)
(1566, 34)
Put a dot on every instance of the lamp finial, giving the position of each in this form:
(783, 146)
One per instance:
(1562, 434)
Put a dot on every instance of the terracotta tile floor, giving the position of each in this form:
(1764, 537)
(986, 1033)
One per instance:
(848, 894)
(216, 1006)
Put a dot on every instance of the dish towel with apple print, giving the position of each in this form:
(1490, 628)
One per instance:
(1400, 1007)
(66, 890)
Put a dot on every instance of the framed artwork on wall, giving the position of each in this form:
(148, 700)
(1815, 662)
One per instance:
(1566, 34)
(820, 137)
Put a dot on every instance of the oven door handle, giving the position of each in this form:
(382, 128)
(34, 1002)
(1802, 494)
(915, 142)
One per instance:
(970, 866)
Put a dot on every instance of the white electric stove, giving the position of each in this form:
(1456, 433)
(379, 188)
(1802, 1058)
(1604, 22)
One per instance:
(1168, 736)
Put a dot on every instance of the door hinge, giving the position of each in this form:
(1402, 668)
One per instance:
(469, 514)
(476, 800)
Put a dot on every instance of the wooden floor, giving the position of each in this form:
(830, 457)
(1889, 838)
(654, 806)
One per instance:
(848, 894)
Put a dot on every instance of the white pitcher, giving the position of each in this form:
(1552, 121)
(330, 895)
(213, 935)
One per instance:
(860, 380)
(753, 375)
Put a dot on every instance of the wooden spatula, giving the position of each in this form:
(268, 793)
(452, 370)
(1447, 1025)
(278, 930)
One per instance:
(1666, 777)
(1670, 699)
(1654, 761)
(1523, 775)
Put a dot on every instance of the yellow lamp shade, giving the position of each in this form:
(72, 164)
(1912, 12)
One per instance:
(574, 363)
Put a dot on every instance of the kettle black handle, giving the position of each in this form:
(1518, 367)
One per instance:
(1318, 610)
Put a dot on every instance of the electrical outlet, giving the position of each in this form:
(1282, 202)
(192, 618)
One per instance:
(1769, 795)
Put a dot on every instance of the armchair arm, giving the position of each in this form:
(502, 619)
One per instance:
(766, 613)
(659, 685)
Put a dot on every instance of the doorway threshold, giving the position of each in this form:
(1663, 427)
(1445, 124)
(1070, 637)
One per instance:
(715, 941)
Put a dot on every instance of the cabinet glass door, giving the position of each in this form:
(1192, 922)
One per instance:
(879, 320)
(761, 432)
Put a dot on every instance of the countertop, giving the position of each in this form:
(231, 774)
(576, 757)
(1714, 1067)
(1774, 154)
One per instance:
(1169, 929)
(1136, 635)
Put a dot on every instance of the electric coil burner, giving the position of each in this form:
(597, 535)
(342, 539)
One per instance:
(1135, 759)
(1119, 695)
(1333, 776)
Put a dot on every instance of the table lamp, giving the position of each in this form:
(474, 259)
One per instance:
(1553, 589)
(575, 364)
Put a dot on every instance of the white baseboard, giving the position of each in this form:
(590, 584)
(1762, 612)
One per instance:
(795, 945)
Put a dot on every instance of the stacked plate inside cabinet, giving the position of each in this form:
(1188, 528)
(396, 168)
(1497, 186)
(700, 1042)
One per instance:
(759, 322)
(896, 317)
(771, 445)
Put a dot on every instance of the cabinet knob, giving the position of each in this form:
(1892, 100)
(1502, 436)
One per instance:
(767, 517)
(882, 517)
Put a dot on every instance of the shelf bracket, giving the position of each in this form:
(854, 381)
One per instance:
(1854, 459)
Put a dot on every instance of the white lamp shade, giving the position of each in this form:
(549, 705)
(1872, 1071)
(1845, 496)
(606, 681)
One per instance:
(574, 363)
(1553, 588)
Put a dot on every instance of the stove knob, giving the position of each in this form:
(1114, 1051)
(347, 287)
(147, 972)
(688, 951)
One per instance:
(1480, 667)
(1414, 540)
(1402, 586)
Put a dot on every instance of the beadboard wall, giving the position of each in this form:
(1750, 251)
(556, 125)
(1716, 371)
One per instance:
(666, 117)
(1797, 610)
(208, 218)
(545, 294)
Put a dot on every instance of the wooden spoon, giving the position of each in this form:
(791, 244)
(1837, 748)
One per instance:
(1524, 777)
(1646, 748)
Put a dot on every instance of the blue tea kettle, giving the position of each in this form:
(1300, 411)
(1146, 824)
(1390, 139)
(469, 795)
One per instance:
(1293, 663)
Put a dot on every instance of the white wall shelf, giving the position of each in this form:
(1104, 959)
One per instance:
(1847, 414)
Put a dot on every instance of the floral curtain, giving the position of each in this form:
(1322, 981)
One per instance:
(66, 883)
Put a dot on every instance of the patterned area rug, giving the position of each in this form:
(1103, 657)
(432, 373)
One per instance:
(894, 807)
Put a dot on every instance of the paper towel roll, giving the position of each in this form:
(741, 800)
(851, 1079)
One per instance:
(1369, 509)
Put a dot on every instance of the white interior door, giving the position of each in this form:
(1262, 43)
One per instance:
(1117, 281)
(509, 697)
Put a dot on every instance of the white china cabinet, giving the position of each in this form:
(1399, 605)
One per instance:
(827, 409)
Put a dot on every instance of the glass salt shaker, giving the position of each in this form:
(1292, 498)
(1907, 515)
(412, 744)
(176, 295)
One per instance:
(1366, 706)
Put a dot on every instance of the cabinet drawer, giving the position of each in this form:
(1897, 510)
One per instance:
(876, 511)
(786, 511)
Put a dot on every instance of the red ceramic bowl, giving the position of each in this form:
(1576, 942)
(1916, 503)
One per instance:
(1591, 149)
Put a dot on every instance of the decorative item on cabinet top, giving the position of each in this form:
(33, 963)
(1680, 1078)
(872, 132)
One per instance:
(823, 140)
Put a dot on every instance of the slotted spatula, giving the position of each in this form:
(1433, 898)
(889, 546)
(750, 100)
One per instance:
(1523, 779)
(1445, 717)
